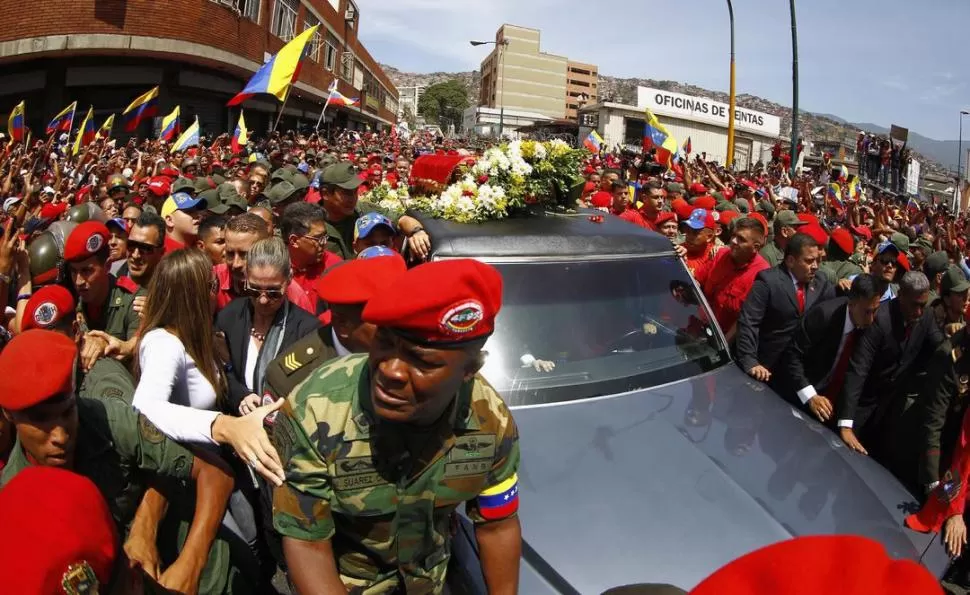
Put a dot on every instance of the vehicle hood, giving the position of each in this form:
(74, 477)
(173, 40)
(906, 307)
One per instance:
(666, 485)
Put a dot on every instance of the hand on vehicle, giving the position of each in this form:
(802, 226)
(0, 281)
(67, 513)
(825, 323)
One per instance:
(955, 535)
(760, 373)
(821, 407)
(420, 243)
(848, 436)
(249, 404)
(681, 251)
(542, 365)
(248, 438)
(182, 576)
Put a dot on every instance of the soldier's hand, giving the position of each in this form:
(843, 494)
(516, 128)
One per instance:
(138, 305)
(821, 407)
(845, 285)
(93, 348)
(114, 347)
(143, 554)
(848, 436)
(955, 535)
(248, 438)
(183, 575)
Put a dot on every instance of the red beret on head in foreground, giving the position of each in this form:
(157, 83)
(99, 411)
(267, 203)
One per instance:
(601, 199)
(35, 366)
(843, 239)
(704, 202)
(444, 302)
(85, 241)
(357, 281)
(58, 534)
(47, 307)
(817, 233)
(779, 569)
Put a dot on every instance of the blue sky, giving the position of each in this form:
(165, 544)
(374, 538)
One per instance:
(879, 61)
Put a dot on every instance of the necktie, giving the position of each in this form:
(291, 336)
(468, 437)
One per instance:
(800, 294)
(842, 366)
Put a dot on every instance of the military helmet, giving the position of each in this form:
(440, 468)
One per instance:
(86, 211)
(117, 181)
(187, 163)
(46, 253)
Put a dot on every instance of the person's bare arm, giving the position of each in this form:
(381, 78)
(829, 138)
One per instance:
(500, 548)
(312, 567)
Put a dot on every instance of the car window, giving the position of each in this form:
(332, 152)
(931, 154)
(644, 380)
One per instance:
(579, 329)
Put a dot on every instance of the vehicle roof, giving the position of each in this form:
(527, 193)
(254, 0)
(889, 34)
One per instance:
(544, 235)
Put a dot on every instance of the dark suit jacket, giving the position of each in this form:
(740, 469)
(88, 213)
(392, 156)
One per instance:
(770, 316)
(811, 354)
(882, 361)
(236, 320)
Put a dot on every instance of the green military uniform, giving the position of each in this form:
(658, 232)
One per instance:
(294, 365)
(773, 254)
(117, 317)
(340, 235)
(836, 270)
(108, 378)
(949, 327)
(384, 497)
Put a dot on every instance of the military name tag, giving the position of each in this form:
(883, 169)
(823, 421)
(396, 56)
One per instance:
(473, 447)
(478, 467)
(358, 481)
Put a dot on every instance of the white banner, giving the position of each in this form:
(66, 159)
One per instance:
(702, 109)
(912, 177)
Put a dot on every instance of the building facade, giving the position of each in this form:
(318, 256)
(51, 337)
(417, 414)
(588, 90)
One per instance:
(408, 99)
(582, 87)
(703, 120)
(199, 52)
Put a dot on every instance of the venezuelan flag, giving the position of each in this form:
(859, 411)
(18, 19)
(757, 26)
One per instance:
(656, 136)
(87, 133)
(912, 205)
(189, 138)
(170, 125)
(338, 98)
(593, 142)
(500, 501)
(15, 123)
(844, 173)
(64, 121)
(688, 146)
(835, 193)
(144, 106)
(240, 136)
(855, 188)
(105, 130)
(276, 76)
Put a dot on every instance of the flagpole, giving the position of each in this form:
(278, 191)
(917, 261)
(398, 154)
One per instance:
(324, 110)
(282, 107)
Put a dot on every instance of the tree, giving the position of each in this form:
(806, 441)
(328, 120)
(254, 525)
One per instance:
(443, 103)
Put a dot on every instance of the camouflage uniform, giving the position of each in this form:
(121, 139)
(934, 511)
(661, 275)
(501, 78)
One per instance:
(353, 481)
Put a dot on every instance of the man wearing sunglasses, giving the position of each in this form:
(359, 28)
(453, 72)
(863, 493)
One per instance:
(888, 265)
(146, 243)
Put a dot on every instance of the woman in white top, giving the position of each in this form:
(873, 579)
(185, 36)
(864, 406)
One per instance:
(181, 388)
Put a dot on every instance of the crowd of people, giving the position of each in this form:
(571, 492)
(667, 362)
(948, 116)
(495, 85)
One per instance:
(238, 351)
(883, 161)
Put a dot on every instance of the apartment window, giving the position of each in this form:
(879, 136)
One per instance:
(313, 48)
(330, 49)
(244, 8)
(347, 67)
(284, 19)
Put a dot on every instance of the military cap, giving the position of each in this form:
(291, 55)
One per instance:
(808, 218)
(85, 241)
(326, 160)
(682, 208)
(47, 307)
(675, 188)
(357, 281)
(86, 211)
(704, 202)
(440, 303)
(117, 181)
(661, 219)
(901, 241)
(203, 184)
(742, 205)
(843, 240)
(311, 153)
(211, 198)
(924, 244)
(726, 217)
(765, 206)
(936, 263)
(954, 281)
(59, 535)
(25, 378)
(186, 185)
(300, 181)
(282, 175)
(218, 179)
(280, 192)
(779, 569)
(788, 218)
(342, 175)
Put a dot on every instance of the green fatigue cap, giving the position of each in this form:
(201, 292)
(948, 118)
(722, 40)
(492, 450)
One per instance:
(326, 160)
(227, 198)
(718, 196)
(765, 207)
(218, 179)
(723, 205)
(203, 184)
(184, 185)
(937, 263)
(311, 153)
(211, 197)
(743, 206)
(924, 244)
(787, 218)
(343, 175)
(280, 192)
(282, 175)
(954, 281)
(300, 181)
(901, 242)
(675, 188)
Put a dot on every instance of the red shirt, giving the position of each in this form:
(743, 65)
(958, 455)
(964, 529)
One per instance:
(225, 294)
(172, 245)
(307, 278)
(633, 216)
(727, 286)
(695, 263)
(650, 222)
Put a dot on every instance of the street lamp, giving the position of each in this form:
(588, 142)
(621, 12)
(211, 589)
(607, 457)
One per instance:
(794, 78)
(729, 161)
(500, 45)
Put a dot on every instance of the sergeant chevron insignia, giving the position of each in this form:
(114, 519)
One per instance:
(291, 363)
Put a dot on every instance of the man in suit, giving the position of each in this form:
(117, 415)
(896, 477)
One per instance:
(778, 299)
(821, 351)
(903, 335)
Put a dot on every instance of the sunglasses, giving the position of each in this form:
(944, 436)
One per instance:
(318, 240)
(271, 293)
(142, 247)
(887, 261)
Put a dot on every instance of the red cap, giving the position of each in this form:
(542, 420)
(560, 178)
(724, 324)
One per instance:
(58, 531)
(665, 217)
(52, 211)
(47, 307)
(35, 366)
(863, 231)
(85, 241)
(171, 172)
(808, 218)
(780, 569)
(704, 202)
(447, 301)
(682, 208)
(601, 199)
(843, 239)
(761, 218)
(357, 281)
(588, 188)
(160, 186)
(697, 188)
(727, 217)
(817, 233)
(749, 184)
(375, 170)
(903, 261)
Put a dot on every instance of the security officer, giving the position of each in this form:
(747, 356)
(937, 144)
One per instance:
(935, 266)
(52, 308)
(838, 265)
(399, 440)
(949, 308)
(105, 440)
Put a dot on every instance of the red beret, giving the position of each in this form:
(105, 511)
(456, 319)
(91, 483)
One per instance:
(85, 241)
(170, 172)
(808, 218)
(58, 531)
(35, 366)
(665, 217)
(843, 239)
(601, 199)
(588, 188)
(726, 217)
(682, 208)
(446, 301)
(759, 218)
(357, 281)
(863, 231)
(48, 306)
(704, 202)
(903, 261)
(697, 188)
(160, 186)
(817, 233)
(780, 569)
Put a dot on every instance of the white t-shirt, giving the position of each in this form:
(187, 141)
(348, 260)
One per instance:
(172, 393)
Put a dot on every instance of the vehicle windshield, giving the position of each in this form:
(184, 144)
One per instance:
(580, 329)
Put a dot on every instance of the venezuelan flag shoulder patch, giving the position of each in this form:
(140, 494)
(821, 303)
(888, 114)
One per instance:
(500, 501)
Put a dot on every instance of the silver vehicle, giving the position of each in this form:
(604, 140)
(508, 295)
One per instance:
(648, 456)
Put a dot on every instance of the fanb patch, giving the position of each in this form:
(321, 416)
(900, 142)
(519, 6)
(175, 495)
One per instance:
(463, 318)
(80, 579)
(149, 431)
(45, 315)
(94, 243)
